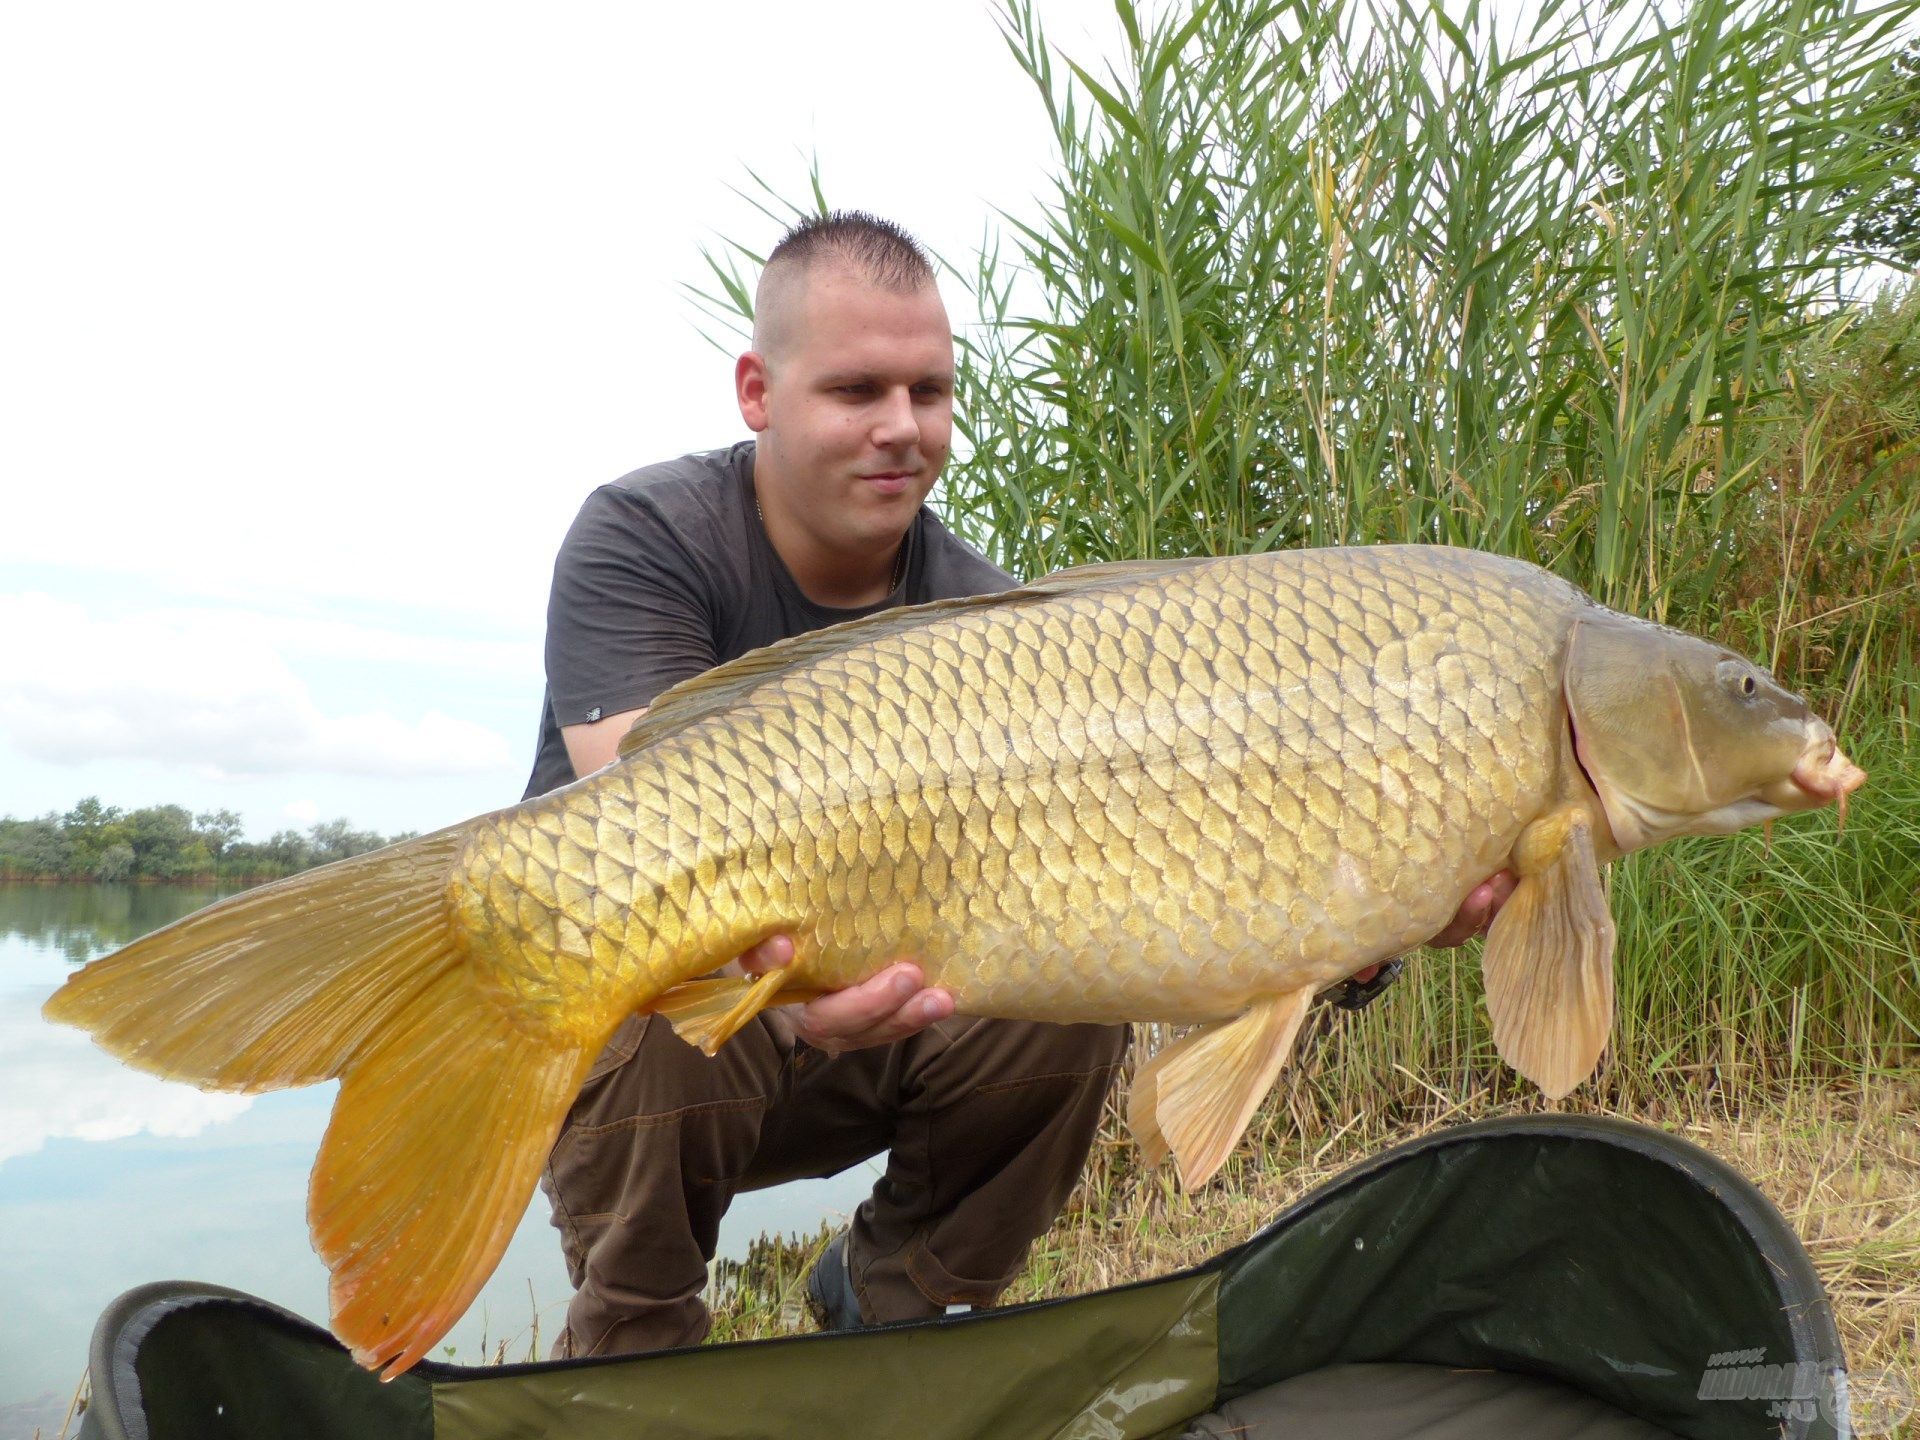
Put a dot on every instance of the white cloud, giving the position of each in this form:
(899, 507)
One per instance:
(324, 638)
(54, 1084)
(199, 687)
(303, 810)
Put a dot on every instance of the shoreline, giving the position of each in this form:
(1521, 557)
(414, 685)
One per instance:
(245, 881)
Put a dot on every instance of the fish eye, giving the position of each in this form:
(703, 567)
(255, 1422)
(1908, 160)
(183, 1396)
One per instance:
(1738, 677)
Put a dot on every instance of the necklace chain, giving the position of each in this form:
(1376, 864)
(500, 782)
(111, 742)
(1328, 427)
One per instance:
(899, 559)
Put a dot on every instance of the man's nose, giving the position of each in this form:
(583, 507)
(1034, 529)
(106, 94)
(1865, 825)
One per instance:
(895, 425)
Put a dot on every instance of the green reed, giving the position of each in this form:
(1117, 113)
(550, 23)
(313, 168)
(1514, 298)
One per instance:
(1354, 273)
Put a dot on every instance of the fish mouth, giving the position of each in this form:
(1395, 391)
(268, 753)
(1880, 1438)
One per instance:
(1825, 773)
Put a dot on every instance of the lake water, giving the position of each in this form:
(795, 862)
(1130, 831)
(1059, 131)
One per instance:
(110, 1178)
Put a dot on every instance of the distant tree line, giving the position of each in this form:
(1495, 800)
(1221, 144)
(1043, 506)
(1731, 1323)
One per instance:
(93, 841)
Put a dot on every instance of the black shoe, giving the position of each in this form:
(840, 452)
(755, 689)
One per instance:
(1358, 994)
(830, 1289)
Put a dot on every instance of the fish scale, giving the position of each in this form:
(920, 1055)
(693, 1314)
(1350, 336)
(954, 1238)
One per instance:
(1175, 795)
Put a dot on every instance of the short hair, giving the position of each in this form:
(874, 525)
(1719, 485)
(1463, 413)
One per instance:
(881, 250)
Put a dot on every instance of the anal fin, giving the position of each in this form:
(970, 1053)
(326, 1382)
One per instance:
(1548, 965)
(708, 1013)
(1195, 1097)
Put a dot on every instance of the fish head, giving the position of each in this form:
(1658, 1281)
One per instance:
(1680, 736)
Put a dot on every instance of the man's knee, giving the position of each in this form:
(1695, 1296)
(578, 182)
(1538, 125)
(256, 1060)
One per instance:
(655, 1139)
(1028, 1076)
(647, 1070)
(1018, 1050)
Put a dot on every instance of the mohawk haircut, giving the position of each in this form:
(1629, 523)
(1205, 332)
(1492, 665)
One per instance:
(881, 250)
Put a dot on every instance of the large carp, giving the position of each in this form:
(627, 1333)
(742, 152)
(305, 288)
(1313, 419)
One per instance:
(1194, 791)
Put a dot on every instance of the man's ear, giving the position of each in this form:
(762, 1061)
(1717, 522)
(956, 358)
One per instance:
(750, 389)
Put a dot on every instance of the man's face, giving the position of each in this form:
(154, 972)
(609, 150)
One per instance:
(853, 406)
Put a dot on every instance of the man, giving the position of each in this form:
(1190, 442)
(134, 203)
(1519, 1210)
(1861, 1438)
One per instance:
(674, 569)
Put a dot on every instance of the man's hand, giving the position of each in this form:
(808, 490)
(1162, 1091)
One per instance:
(1476, 912)
(878, 1011)
(1473, 918)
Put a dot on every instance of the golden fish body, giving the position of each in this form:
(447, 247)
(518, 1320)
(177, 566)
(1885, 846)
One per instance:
(1147, 799)
(1185, 791)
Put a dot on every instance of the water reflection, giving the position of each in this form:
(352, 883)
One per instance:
(110, 1178)
(53, 1085)
(79, 922)
(53, 1082)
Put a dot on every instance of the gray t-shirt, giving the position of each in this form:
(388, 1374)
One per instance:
(668, 572)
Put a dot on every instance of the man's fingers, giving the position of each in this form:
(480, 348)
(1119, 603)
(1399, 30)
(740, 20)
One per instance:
(1476, 912)
(887, 1007)
(1504, 884)
(847, 1014)
(925, 1008)
(770, 954)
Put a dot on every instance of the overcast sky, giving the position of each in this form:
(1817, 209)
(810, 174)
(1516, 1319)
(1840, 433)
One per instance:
(320, 321)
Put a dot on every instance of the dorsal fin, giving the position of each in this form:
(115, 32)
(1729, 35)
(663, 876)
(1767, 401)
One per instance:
(1114, 572)
(718, 689)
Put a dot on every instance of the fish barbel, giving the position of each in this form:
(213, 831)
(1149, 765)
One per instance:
(1193, 791)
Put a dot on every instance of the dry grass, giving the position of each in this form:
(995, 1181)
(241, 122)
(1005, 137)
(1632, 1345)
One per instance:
(1841, 1163)
(1844, 1168)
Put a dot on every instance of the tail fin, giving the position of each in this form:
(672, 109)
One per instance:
(448, 1103)
(435, 1143)
(280, 985)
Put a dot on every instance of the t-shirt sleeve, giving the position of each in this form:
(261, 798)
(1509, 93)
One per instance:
(631, 611)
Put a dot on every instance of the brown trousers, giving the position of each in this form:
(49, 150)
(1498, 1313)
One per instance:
(987, 1123)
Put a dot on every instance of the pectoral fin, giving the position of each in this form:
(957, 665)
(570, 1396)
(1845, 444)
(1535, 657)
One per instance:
(1549, 958)
(1196, 1096)
(708, 1013)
